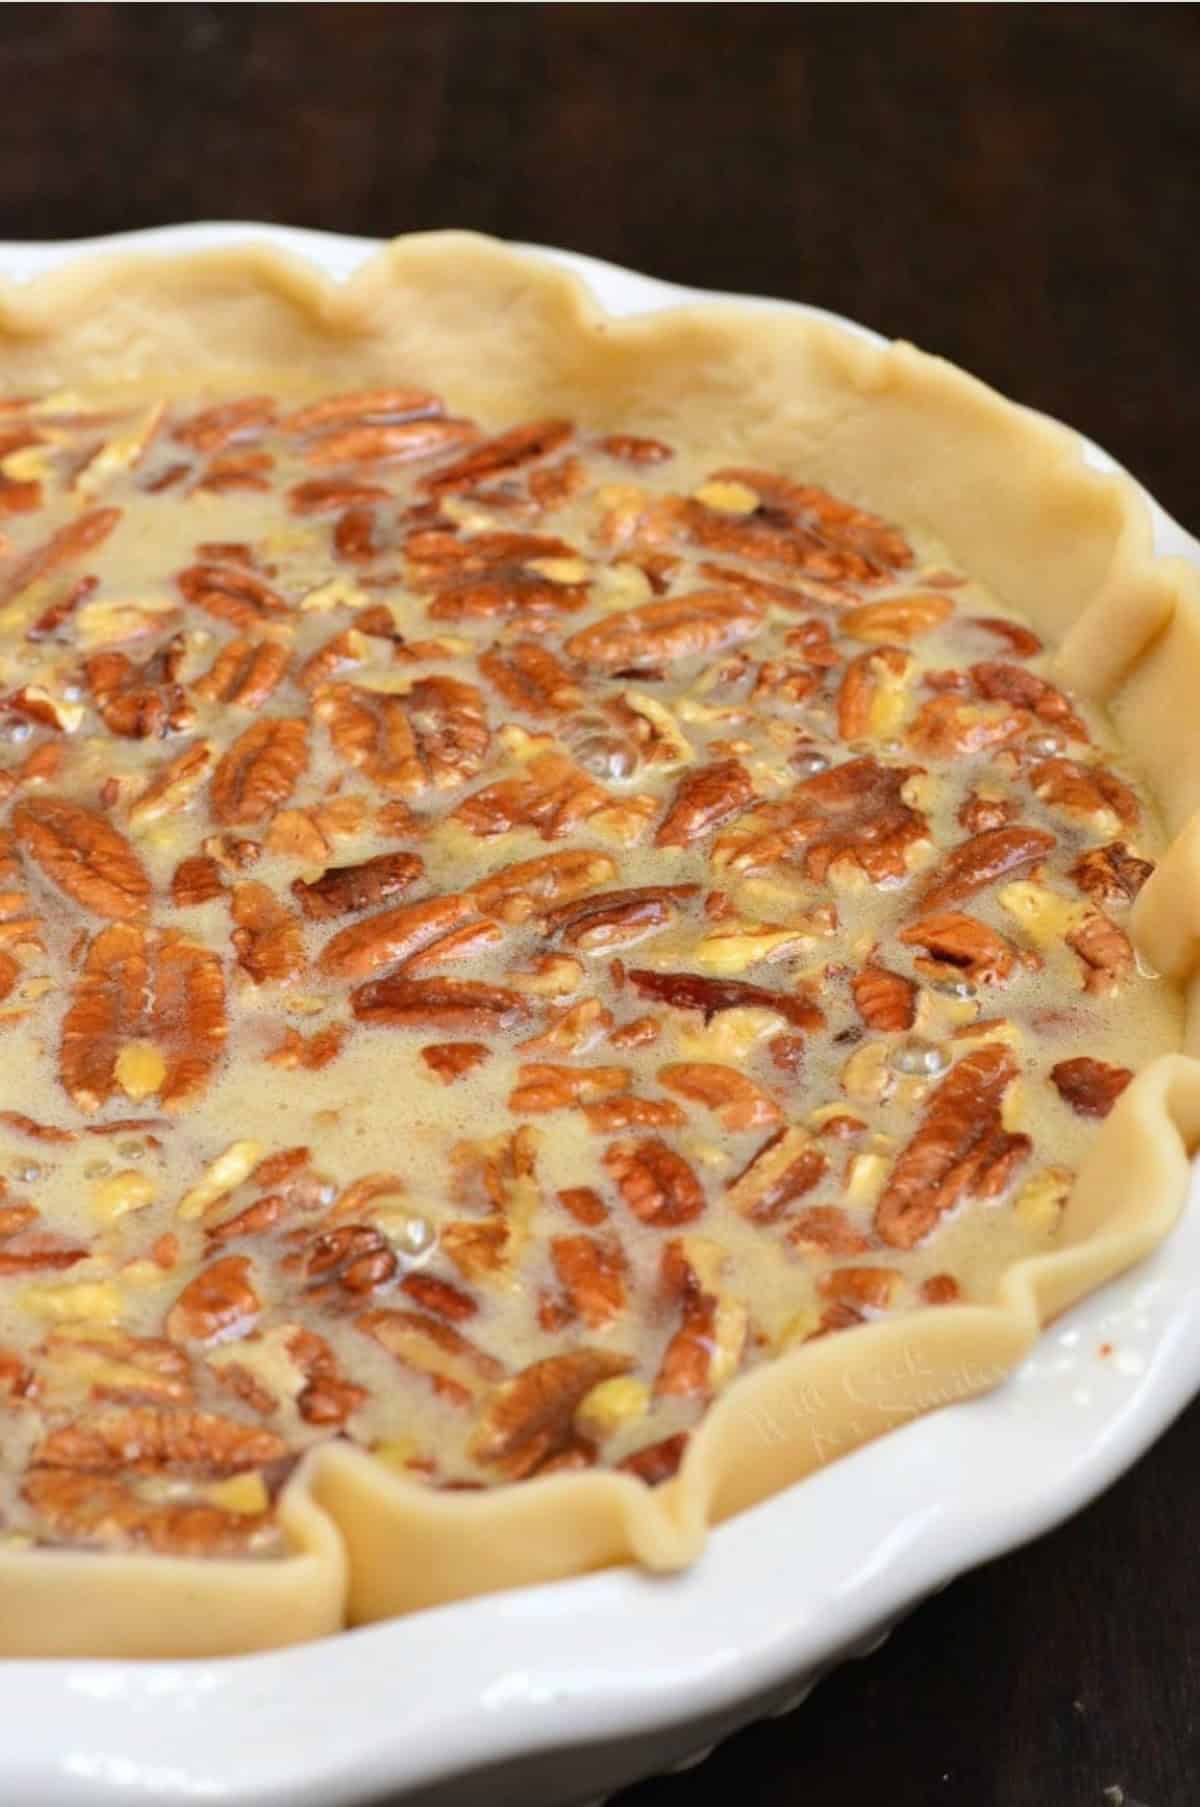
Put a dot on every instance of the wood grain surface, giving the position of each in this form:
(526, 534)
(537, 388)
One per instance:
(1014, 187)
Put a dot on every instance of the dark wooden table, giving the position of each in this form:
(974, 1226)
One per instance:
(1015, 187)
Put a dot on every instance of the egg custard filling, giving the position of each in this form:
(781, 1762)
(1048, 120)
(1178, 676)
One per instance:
(505, 930)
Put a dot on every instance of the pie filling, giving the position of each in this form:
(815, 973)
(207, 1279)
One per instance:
(500, 934)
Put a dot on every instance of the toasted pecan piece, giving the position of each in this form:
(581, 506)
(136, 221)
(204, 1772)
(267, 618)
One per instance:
(1090, 1087)
(220, 1302)
(452, 1060)
(737, 1102)
(783, 1169)
(267, 937)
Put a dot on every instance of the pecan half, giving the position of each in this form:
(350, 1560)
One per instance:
(499, 456)
(1084, 790)
(1090, 1087)
(544, 1087)
(90, 1509)
(615, 918)
(226, 423)
(1013, 684)
(986, 857)
(827, 1230)
(84, 534)
(947, 727)
(960, 1149)
(689, 991)
(233, 594)
(661, 633)
(399, 442)
(884, 1000)
(735, 1100)
(457, 1369)
(84, 855)
(393, 935)
(785, 1167)
(854, 811)
(798, 525)
(591, 1271)
(344, 890)
(656, 1182)
(528, 1419)
(260, 771)
(703, 800)
(1105, 950)
(159, 1440)
(462, 1006)
(962, 941)
(134, 989)
(195, 881)
(531, 678)
(898, 618)
(244, 673)
(141, 702)
(552, 878)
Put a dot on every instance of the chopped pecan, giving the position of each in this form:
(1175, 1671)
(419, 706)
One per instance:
(220, 1303)
(655, 1463)
(267, 937)
(615, 918)
(1105, 950)
(227, 423)
(663, 632)
(735, 1100)
(868, 1288)
(656, 1182)
(451, 1060)
(393, 935)
(884, 1000)
(827, 1230)
(528, 1419)
(531, 678)
(1084, 790)
(84, 855)
(311, 1052)
(956, 940)
(235, 470)
(1090, 1087)
(703, 800)
(1022, 641)
(343, 890)
(689, 991)
(980, 815)
(459, 1005)
(941, 1289)
(996, 853)
(631, 449)
(260, 771)
(1111, 875)
(591, 1271)
(960, 1149)
(785, 1167)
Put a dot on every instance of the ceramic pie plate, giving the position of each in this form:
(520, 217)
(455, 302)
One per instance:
(563, 1693)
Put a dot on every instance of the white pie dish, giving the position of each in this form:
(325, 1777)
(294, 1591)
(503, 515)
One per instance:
(547, 1689)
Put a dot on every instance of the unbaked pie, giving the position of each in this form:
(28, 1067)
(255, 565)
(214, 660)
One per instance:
(566, 932)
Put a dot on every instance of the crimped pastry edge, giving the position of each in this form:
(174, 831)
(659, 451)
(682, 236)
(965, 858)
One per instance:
(907, 434)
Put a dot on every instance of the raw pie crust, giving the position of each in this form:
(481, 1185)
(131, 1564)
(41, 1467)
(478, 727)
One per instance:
(1005, 499)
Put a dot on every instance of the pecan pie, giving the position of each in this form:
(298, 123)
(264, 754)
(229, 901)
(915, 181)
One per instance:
(553, 925)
